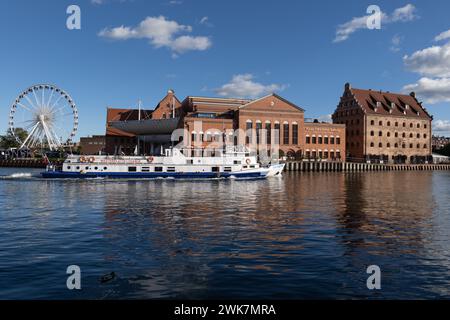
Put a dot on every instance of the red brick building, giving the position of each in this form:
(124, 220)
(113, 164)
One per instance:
(265, 124)
(384, 126)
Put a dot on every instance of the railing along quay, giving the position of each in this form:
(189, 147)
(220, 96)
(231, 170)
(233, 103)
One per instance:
(23, 163)
(318, 166)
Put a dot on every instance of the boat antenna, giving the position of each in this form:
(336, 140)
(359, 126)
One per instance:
(139, 108)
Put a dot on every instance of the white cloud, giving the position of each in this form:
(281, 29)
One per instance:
(244, 86)
(403, 14)
(441, 125)
(433, 61)
(325, 118)
(443, 36)
(431, 90)
(395, 43)
(204, 20)
(161, 33)
(175, 2)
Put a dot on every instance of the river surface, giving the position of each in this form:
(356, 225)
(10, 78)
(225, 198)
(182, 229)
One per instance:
(303, 236)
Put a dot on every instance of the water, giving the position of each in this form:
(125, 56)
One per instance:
(302, 236)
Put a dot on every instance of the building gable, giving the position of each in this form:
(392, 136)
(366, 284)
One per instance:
(272, 102)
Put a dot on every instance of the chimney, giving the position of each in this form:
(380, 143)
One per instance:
(348, 86)
(413, 94)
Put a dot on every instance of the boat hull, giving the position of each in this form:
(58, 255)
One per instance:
(261, 174)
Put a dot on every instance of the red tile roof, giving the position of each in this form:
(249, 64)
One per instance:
(123, 115)
(395, 104)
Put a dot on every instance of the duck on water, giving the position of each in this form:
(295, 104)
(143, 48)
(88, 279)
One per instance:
(230, 162)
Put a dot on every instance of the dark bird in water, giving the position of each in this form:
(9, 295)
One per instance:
(107, 277)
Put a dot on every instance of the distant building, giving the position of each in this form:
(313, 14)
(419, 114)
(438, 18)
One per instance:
(384, 126)
(225, 120)
(439, 142)
(92, 145)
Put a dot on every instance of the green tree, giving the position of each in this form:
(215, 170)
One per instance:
(445, 151)
(9, 140)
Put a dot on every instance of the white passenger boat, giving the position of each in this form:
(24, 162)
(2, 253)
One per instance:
(232, 162)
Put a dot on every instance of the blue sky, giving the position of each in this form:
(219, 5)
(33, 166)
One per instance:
(304, 50)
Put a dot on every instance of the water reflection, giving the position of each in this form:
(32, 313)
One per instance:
(300, 236)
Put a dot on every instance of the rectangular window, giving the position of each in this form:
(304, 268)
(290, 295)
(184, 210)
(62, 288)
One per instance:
(277, 134)
(158, 169)
(227, 169)
(248, 132)
(269, 133)
(314, 141)
(215, 169)
(338, 140)
(332, 140)
(258, 132)
(170, 169)
(236, 162)
(286, 133)
(295, 134)
(132, 169)
(320, 140)
(193, 137)
(308, 140)
(145, 169)
(325, 140)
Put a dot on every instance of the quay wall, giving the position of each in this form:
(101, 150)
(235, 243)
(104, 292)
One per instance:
(359, 167)
(23, 163)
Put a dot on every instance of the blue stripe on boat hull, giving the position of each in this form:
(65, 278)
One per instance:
(150, 175)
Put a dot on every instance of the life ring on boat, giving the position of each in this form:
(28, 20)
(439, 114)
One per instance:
(82, 159)
(248, 161)
(150, 159)
(92, 159)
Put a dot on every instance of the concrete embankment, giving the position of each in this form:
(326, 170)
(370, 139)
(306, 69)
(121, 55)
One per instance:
(359, 167)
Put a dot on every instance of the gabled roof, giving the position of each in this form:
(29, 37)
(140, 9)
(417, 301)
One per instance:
(272, 95)
(395, 104)
(113, 114)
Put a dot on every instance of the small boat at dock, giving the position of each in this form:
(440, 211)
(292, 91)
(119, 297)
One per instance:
(230, 162)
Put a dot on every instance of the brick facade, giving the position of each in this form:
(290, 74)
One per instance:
(384, 126)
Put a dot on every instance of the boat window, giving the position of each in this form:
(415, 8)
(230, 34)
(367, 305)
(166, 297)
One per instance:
(105, 168)
(78, 168)
(145, 169)
(132, 169)
(190, 161)
(170, 169)
(237, 162)
(68, 167)
(96, 168)
(252, 166)
(215, 169)
(245, 167)
(87, 168)
(227, 169)
(158, 169)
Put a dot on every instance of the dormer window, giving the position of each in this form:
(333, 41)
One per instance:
(392, 105)
(407, 106)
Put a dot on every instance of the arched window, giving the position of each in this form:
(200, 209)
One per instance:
(388, 145)
(372, 122)
(396, 145)
(418, 126)
(372, 133)
(388, 123)
(388, 134)
(194, 136)
(380, 145)
(372, 144)
(380, 123)
(380, 134)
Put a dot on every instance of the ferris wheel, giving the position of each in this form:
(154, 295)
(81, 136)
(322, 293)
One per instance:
(48, 114)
